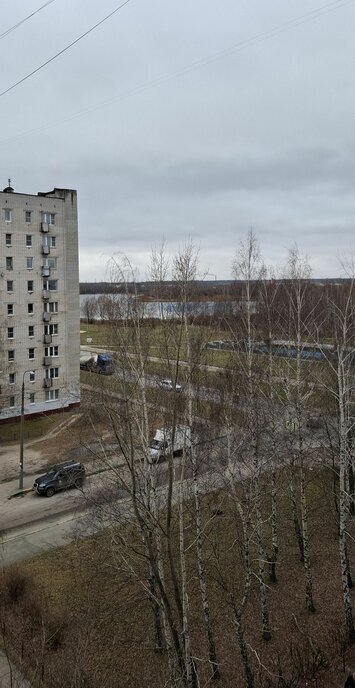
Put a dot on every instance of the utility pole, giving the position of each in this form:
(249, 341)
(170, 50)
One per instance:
(22, 423)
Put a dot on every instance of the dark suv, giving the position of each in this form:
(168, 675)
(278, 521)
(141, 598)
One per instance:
(60, 477)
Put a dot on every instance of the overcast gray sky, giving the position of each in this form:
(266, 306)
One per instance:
(262, 136)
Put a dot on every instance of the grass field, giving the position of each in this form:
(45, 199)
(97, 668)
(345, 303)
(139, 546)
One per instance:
(10, 432)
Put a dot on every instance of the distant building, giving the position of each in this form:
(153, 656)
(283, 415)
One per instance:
(39, 302)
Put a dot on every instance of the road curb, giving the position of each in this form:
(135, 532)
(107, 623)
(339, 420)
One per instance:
(10, 531)
(20, 493)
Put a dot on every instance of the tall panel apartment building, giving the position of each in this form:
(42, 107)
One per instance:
(39, 302)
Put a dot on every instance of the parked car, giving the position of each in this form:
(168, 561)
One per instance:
(62, 476)
(170, 385)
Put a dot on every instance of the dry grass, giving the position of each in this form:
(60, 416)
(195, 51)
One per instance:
(105, 620)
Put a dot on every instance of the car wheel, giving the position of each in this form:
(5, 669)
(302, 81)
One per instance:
(79, 482)
(50, 491)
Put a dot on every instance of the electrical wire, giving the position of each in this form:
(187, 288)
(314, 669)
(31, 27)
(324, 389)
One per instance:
(54, 57)
(153, 83)
(16, 26)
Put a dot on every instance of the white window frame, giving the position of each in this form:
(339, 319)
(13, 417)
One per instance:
(32, 376)
(12, 378)
(50, 262)
(52, 351)
(52, 329)
(8, 214)
(28, 212)
(30, 308)
(29, 240)
(32, 397)
(29, 262)
(13, 333)
(51, 373)
(32, 328)
(51, 394)
(7, 243)
(30, 291)
(31, 350)
(47, 217)
(10, 310)
(9, 291)
(9, 261)
(51, 307)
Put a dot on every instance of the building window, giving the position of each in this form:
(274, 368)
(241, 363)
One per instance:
(11, 402)
(51, 307)
(49, 241)
(28, 216)
(31, 330)
(50, 263)
(8, 239)
(10, 308)
(32, 397)
(9, 263)
(51, 351)
(31, 354)
(30, 286)
(51, 394)
(48, 218)
(51, 329)
(52, 373)
(8, 215)
(32, 375)
(11, 355)
(50, 285)
(28, 240)
(29, 262)
(10, 332)
(11, 378)
(9, 286)
(30, 308)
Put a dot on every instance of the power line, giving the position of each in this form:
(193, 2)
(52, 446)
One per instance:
(64, 49)
(15, 26)
(237, 47)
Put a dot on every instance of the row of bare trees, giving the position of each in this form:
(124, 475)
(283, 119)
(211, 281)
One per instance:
(262, 409)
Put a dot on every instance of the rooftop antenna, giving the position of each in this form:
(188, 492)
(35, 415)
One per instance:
(9, 182)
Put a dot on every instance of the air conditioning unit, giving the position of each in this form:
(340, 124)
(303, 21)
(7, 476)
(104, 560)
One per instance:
(46, 271)
(47, 339)
(47, 382)
(44, 227)
(46, 294)
(47, 361)
(45, 250)
(46, 317)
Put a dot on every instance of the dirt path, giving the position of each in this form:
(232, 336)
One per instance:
(40, 451)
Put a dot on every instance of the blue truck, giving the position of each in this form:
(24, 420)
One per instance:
(97, 363)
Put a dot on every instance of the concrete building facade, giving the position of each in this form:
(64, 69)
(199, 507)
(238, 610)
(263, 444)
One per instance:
(39, 302)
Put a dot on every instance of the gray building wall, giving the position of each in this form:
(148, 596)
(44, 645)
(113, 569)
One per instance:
(53, 248)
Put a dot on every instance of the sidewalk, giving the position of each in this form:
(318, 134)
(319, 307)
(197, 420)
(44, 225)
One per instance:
(10, 677)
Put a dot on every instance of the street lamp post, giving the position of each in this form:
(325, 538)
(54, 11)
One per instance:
(22, 423)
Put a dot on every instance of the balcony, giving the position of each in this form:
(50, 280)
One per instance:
(44, 227)
(47, 382)
(45, 250)
(46, 294)
(46, 317)
(47, 361)
(46, 271)
(47, 339)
